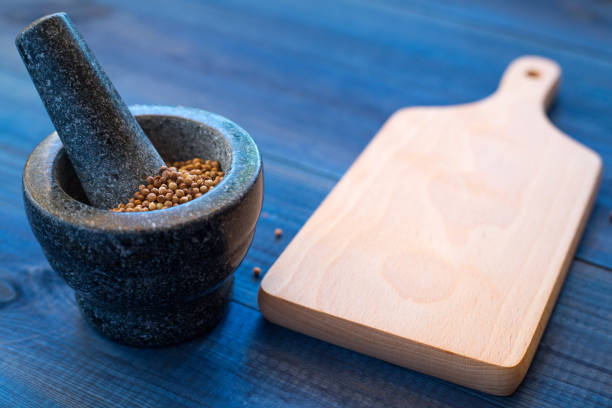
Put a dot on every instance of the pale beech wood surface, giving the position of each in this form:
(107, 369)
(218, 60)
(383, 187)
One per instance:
(444, 246)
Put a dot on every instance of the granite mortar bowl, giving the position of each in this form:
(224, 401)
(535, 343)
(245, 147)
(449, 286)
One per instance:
(153, 278)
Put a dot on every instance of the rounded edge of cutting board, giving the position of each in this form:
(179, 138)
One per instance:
(491, 378)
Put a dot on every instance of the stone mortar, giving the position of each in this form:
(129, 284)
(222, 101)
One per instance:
(153, 278)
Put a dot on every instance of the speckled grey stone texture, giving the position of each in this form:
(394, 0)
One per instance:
(158, 326)
(159, 277)
(108, 150)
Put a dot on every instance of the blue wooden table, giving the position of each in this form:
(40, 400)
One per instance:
(312, 82)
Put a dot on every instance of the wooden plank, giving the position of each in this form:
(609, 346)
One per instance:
(582, 27)
(48, 356)
(228, 61)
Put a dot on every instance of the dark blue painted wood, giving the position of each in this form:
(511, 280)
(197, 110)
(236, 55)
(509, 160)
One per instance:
(579, 26)
(48, 353)
(312, 82)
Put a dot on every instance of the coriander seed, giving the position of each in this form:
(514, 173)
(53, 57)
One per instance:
(176, 183)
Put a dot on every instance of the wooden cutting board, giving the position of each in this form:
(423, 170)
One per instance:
(444, 246)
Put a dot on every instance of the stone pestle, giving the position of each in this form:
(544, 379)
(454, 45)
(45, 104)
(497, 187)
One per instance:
(110, 153)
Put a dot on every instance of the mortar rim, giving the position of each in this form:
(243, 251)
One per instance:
(39, 181)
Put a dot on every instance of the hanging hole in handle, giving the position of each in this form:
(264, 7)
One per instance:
(532, 73)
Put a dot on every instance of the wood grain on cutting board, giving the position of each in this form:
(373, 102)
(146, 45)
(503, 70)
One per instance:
(444, 246)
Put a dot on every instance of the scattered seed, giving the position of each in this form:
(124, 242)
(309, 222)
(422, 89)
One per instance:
(256, 271)
(278, 233)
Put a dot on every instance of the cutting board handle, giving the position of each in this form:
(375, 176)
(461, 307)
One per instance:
(530, 79)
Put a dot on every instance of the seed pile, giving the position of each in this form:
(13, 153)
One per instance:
(176, 183)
